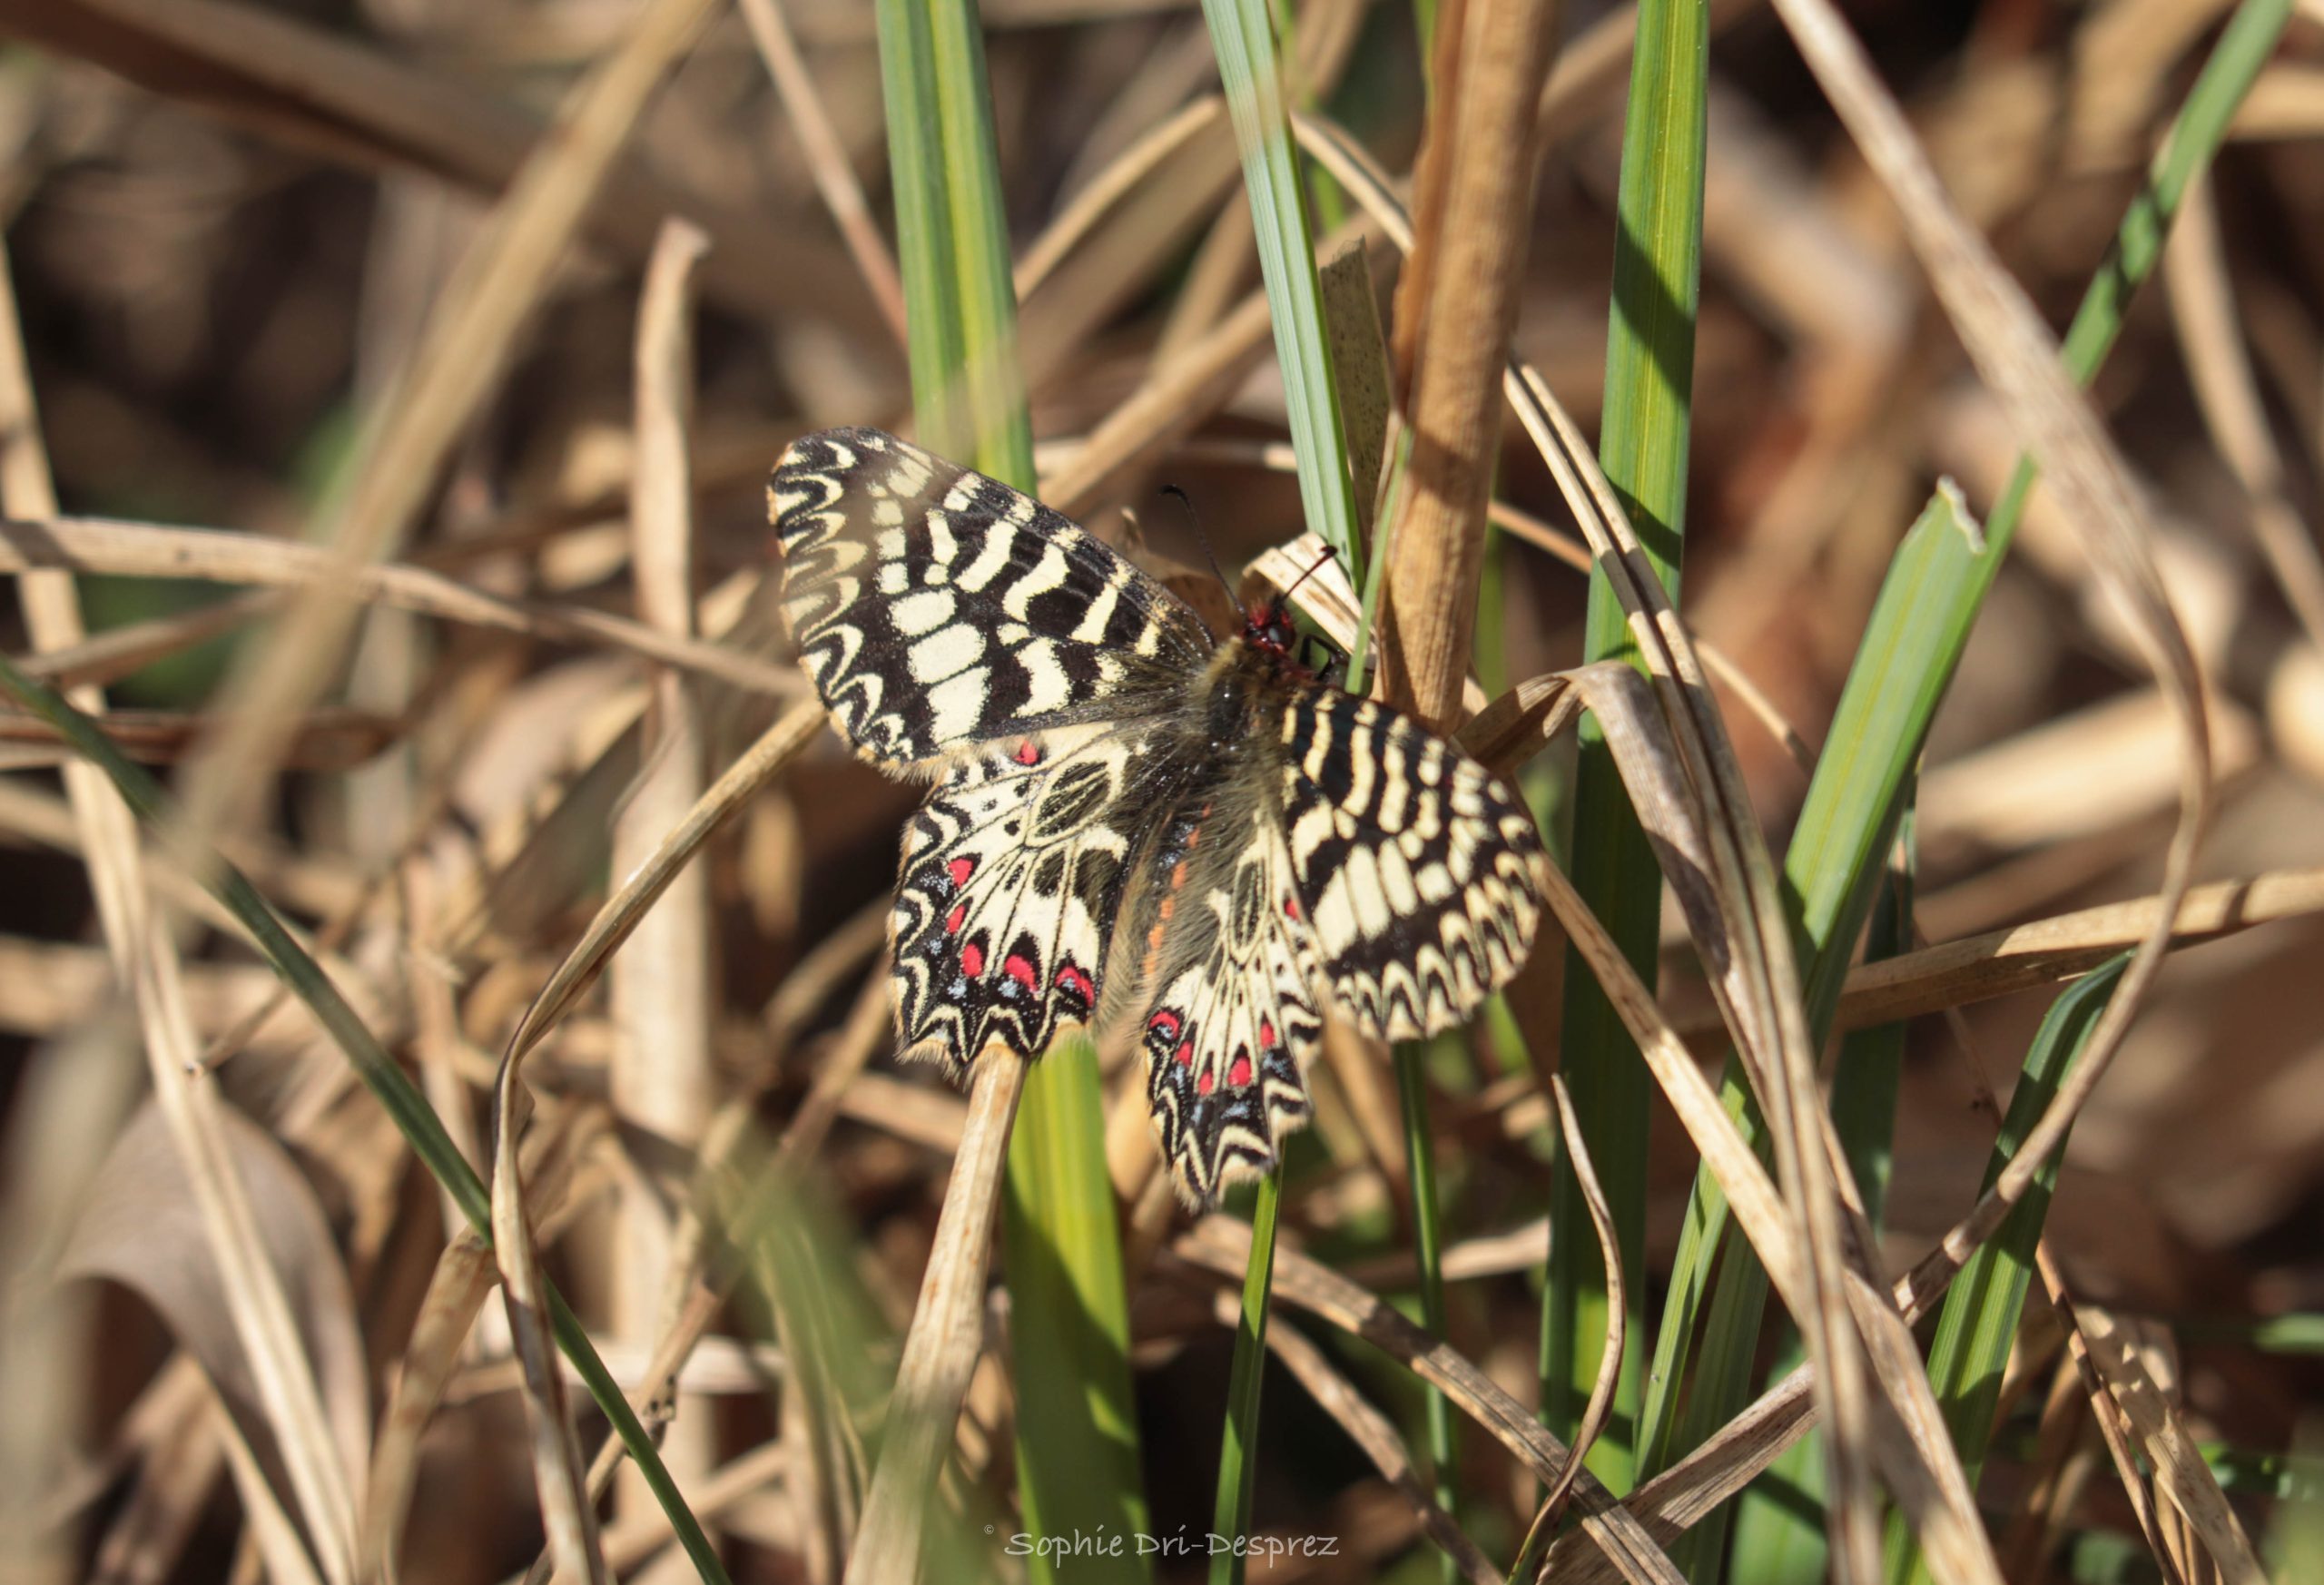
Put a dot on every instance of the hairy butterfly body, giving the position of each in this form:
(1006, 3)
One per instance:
(1133, 820)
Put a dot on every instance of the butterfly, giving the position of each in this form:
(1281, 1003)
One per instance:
(1131, 818)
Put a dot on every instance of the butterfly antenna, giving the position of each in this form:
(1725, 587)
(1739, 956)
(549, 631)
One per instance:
(1195, 518)
(1329, 553)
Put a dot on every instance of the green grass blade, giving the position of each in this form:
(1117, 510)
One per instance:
(2302, 1332)
(1650, 376)
(1076, 1450)
(405, 1106)
(1919, 626)
(1239, 1460)
(1986, 1301)
(1250, 68)
(1420, 1156)
(1071, 1320)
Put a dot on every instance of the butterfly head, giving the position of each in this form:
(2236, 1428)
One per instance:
(1267, 625)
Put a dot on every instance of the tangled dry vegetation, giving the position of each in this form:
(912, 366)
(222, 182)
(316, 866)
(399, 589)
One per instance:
(306, 276)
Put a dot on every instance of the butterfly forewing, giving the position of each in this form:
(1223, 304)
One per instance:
(1414, 868)
(936, 608)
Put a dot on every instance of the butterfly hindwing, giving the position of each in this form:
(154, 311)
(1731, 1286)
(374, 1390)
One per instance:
(935, 608)
(1232, 1016)
(1011, 881)
(1415, 870)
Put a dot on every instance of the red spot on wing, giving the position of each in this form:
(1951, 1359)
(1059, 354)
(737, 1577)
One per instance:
(1240, 1074)
(1266, 1035)
(1028, 753)
(1165, 1021)
(1203, 1084)
(952, 920)
(1291, 907)
(1186, 1056)
(1068, 978)
(972, 960)
(960, 870)
(1021, 970)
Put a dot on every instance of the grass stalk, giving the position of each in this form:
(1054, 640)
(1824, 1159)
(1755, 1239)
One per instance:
(1238, 1452)
(1420, 1158)
(1643, 446)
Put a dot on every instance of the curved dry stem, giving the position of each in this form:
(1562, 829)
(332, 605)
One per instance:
(1610, 1357)
(827, 159)
(775, 748)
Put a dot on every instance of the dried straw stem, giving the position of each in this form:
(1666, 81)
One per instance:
(947, 1334)
(1455, 312)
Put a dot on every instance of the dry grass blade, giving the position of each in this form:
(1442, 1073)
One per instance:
(946, 1337)
(1175, 395)
(1369, 1429)
(322, 740)
(102, 544)
(1456, 308)
(467, 343)
(663, 1079)
(834, 177)
(2017, 356)
(1223, 1246)
(462, 1281)
(145, 957)
(1199, 118)
(2053, 950)
(2105, 1342)
(566, 1504)
(458, 1287)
